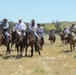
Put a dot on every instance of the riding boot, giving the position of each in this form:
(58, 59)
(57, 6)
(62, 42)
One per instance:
(36, 43)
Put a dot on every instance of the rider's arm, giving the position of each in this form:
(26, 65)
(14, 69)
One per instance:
(7, 26)
(15, 27)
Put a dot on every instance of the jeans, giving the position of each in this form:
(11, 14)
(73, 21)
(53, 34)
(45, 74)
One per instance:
(7, 35)
(36, 36)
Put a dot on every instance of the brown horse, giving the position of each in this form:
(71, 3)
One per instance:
(4, 42)
(64, 38)
(40, 41)
(52, 38)
(1, 38)
(31, 41)
(72, 40)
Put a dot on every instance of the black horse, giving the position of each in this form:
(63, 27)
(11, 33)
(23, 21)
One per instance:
(19, 41)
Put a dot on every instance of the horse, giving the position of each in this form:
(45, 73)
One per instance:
(19, 41)
(72, 40)
(64, 38)
(40, 41)
(31, 41)
(52, 38)
(1, 38)
(3, 41)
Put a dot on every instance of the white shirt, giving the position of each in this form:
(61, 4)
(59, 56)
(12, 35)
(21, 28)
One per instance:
(19, 27)
(66, 31)
(32, 28)
(40, 30)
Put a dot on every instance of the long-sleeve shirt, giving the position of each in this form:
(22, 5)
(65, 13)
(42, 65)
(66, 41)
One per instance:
(33, 28)
(5, 25)
(40, 30)
(19, 27)
(67, 31)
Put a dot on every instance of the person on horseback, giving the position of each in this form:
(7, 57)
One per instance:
(40, 31)
(51, 32)
(66, 30)
(5, 27)
(72, 27)
(19, 28)
(33, 27)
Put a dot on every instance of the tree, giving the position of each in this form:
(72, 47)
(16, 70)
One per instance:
(56, 23)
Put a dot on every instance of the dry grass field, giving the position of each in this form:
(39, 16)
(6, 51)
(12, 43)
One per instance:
(54, 60)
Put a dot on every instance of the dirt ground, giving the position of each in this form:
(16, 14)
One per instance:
(55, 59)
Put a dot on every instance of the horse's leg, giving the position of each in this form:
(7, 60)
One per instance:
(71, 46)
(8, 48)
(26, 50)
(74, 46)
(41, 46)
(31, 51)
(39, 50)
(17, 46)
(21, 50)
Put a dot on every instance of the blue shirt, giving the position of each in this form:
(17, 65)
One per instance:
(5, 25)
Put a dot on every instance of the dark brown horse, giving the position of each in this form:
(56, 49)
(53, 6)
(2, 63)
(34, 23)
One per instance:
(3, 41)
(31, 41)
(40, 41)
(52, 38)
(19, 42)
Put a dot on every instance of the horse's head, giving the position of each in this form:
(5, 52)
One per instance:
(30, 37)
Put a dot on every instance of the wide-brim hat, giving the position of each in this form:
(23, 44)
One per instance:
(5, 18)
(19, 19)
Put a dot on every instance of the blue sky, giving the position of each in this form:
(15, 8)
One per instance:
(40, 10)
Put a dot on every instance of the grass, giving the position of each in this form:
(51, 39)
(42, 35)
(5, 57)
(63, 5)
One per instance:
(39, 70)
(54, 60)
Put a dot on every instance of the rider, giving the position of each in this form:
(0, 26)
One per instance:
(20, 27)
(51, 32)
(66, 30)
(5, 27)
(33, 27)
(40, 31)
(72, 27)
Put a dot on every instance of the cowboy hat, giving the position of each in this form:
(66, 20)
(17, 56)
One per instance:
(5, 18)
(19, 19)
